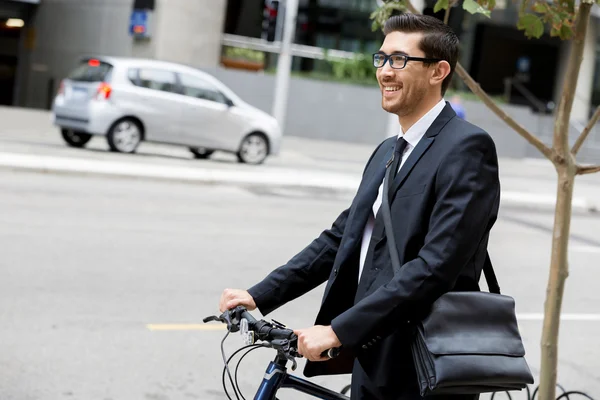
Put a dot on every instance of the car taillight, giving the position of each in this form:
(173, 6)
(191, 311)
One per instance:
(104, 91)
(61, 88)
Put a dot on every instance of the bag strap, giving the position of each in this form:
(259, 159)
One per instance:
(488, 270)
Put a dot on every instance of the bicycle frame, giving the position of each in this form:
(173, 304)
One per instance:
(276, 377)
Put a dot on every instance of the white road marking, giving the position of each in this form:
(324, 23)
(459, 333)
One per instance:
(585, 249)
(563, 317)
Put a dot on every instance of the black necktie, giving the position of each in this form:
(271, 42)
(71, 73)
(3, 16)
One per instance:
(397, 157)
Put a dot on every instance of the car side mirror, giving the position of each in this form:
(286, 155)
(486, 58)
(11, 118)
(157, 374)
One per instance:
(229, 102)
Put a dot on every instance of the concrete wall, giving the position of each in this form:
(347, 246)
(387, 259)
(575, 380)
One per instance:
(189, 32)
(183, 31)
(66, 30)
(333, 111)
(583, 93)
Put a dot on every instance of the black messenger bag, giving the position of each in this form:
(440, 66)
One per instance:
(469, 342)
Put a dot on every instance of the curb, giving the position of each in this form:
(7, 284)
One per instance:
(275, 177)
(280, 177)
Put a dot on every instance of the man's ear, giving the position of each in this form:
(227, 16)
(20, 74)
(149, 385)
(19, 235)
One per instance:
(440, 72)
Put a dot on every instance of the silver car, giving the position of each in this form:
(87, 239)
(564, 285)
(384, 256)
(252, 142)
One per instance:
(131, 100)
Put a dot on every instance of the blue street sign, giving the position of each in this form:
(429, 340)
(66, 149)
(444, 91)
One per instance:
(138, 24)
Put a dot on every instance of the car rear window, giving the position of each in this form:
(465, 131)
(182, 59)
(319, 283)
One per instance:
(91, 71)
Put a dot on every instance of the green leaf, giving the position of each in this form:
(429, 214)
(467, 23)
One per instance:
(532, 25)
(374, 26)
(566, 32)
(570, 6)
(475, 8)
(381, 14)
(440, 5)
(540, 7)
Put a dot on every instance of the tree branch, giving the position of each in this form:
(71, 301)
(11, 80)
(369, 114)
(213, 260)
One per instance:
(560, 142)
(586, 131)
(588, 169)
(447, 14)
(520, 129)
(411, 8)
(476, 89)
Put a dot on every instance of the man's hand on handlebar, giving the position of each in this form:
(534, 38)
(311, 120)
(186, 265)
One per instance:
(232, 298)
(312, 342)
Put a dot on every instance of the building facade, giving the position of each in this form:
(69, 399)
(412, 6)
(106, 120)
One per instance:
(493, 50)
(55, 34)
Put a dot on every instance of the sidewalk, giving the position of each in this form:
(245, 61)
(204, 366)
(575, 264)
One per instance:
(519, 191)
(29, 142)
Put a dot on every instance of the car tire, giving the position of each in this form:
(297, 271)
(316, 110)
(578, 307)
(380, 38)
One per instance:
(254, 149)
(201, 153)
(124, 136)
(75, 138)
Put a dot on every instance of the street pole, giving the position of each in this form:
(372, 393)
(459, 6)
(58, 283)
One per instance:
(284, 63)
(393, 125)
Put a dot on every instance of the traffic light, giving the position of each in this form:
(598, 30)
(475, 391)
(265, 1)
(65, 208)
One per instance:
(143, 4)
(269, 25)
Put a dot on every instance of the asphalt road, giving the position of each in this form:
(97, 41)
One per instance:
(88, 263)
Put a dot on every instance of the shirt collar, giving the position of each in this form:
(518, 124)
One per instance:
(417, 131)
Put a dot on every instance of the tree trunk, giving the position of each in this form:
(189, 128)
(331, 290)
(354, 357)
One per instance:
(566, 167)
(559, 270)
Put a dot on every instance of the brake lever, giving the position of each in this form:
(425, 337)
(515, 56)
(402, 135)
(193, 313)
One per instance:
(232, 324)
(213, 318)
(284, 347)
(229, 317)
(294, 362)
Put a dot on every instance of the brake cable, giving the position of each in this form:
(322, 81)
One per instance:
(226, 360)
(226, 368)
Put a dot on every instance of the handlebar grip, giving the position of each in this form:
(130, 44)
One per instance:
(277, 333)
(331, 353)
(247, 316)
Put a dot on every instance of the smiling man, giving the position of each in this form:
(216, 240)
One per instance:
(444, 199)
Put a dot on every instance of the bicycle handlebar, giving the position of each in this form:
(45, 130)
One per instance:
(276, 335)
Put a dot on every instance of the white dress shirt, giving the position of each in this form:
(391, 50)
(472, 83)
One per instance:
(412, 136)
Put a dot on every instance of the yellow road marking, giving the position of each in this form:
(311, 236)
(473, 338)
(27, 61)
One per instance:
(186, 327)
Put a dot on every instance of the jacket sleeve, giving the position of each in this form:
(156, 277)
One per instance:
(306, 270)
(467, 188)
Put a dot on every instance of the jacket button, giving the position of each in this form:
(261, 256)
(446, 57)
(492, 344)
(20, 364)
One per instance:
(365, 347)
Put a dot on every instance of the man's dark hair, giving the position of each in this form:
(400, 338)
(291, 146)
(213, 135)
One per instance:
(439, 40)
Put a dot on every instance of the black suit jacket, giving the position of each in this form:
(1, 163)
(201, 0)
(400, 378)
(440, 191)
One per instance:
(444, 202)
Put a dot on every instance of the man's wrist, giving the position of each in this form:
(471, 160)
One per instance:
(334, 337)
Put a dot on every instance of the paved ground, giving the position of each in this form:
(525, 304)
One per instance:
(88, 262)
(28, 133)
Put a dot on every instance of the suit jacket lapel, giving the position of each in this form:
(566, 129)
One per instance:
(367, 196)
(426, 141)
(411, 161)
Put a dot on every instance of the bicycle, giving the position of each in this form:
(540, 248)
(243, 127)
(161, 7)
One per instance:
(276, 336)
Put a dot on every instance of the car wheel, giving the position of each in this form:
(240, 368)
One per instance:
(75, 138)
(201, 152)
(124, 136)
(253, 149)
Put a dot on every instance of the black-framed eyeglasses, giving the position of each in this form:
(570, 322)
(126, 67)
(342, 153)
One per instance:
(398, 61)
